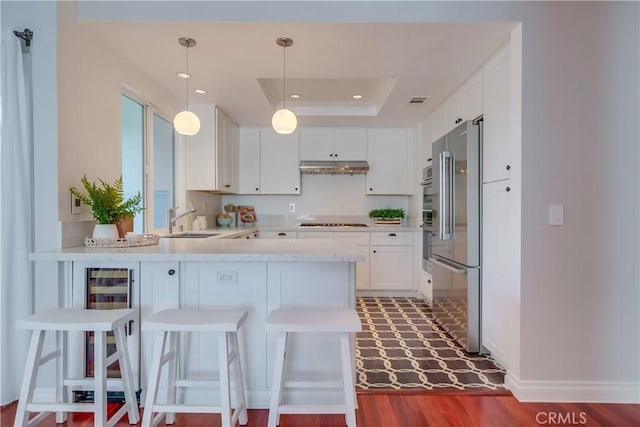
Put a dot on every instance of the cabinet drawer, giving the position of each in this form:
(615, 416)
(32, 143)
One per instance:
(278, 235)
(356, 237)
(391, 238)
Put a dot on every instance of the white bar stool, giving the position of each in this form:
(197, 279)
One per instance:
(63, 320)
(341, 321)
(168, 324)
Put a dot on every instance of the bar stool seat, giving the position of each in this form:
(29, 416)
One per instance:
(62, 321)
(167, 324)
(341, 321)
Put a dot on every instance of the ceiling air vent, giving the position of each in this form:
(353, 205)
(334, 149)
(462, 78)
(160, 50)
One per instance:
(418, 99)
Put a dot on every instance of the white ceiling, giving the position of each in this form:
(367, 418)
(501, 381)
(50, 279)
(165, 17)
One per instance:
(240, 65)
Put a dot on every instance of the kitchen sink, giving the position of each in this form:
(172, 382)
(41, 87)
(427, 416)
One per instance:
(190, 235)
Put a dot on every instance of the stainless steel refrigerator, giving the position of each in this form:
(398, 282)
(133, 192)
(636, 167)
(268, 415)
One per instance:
(455, 258)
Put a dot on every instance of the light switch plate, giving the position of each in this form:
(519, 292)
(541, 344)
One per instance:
(556, 215)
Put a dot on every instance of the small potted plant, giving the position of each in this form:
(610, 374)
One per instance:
(387, 216)
(108, 206)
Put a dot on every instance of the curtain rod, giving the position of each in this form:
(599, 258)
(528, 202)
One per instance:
(25, 35)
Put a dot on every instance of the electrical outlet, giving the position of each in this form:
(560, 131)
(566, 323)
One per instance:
(227, 277)
(77, 208)
(292, 207)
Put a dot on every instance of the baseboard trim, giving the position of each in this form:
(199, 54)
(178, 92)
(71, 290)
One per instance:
(382, 293)
(572, 391)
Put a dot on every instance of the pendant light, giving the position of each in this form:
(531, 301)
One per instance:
(284, 121)
(186, 122)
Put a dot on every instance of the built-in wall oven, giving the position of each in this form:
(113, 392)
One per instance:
(427, 217)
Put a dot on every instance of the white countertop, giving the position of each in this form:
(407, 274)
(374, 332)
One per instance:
(214, 249)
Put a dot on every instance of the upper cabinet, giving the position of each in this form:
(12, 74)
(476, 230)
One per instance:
(324, 143)
(496, 153)
(389, 155)
(268, 162)
(212, 154)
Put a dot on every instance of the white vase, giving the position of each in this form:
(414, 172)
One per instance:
(105, 232)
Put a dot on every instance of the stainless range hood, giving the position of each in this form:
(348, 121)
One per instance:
(333, 167)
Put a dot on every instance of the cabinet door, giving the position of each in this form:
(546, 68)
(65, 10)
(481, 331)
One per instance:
(391, 267)
(453, 111)
(496, 243)
(200, 151)
(388, 154)
(496, 118)
(472, 94)
(279, 164)
(159, 290)
(316, 144)
(278, 235)
(226, 153)
(361, 240)
(437, 123)
(425, 286)
(249, 161)
(350, 144)
(426, 143)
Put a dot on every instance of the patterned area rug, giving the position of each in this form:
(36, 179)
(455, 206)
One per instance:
(402, 347)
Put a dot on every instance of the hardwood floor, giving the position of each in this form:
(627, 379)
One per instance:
(439, 409)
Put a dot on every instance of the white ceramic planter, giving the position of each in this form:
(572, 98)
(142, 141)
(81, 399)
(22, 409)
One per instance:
(105, 232)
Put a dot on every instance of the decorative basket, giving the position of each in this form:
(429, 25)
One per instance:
(387, 221)
(141, 240)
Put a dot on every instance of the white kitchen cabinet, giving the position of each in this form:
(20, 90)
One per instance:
(280, 234)
(496, 262)
(426, 143)
(391, 262)
(268, 162)
(361, 240)
(389, 155)
(211, 154)
(425, 286)
(438, 126)
(159, 290)
(496, 152)
(472, 97)
(324, 143)
(226, 284)
(249, 161)
(279, 163)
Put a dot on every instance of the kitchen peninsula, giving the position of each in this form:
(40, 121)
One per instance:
(257, 274)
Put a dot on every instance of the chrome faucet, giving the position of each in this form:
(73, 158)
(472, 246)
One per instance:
(172, 217)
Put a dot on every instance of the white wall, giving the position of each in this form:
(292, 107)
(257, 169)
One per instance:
(323, 195)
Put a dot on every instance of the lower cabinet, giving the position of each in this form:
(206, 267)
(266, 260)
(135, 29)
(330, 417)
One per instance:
(278, 234)
(391, 262)
(425, 286)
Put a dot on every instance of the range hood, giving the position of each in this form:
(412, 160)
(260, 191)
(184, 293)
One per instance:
(333, 167)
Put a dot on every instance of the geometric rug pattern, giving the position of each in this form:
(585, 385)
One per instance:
(402, 347)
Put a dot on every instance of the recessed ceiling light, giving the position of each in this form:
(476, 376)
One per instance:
(200, 91)
(294, 96)
(357, 96)
(183, 75)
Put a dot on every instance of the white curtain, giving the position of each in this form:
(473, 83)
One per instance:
(16, 223)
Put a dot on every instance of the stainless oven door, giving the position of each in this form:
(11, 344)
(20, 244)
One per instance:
(456, 301)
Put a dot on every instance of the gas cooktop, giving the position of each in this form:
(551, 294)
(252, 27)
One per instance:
(332, 224)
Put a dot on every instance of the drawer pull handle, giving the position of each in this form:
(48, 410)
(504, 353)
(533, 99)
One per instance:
(393, 235)
(282, 234)
(171, 272)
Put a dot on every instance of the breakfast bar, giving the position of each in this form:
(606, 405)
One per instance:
(259, 275)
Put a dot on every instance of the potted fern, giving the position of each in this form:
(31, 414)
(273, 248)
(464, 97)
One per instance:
(108, 206)
(387, 216)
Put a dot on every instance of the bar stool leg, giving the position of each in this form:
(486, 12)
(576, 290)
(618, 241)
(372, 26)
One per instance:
(154, 377)
(127, 377)
(223, 361)
(29, 379)
(100, 378)
(173, 375)
(347, 380)
(276, 386)
(240, 397)
(61, 374)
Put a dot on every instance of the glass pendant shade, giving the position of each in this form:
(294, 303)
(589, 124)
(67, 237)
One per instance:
(186, 123)
(284, 121)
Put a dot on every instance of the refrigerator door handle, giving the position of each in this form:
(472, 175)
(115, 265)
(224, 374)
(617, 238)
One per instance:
(448, 266)
(446, 195)
(441, 201)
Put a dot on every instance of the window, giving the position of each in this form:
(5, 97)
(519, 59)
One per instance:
(147, 163)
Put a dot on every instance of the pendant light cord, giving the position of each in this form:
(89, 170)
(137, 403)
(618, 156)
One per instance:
(284, 76)
(188, 78)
